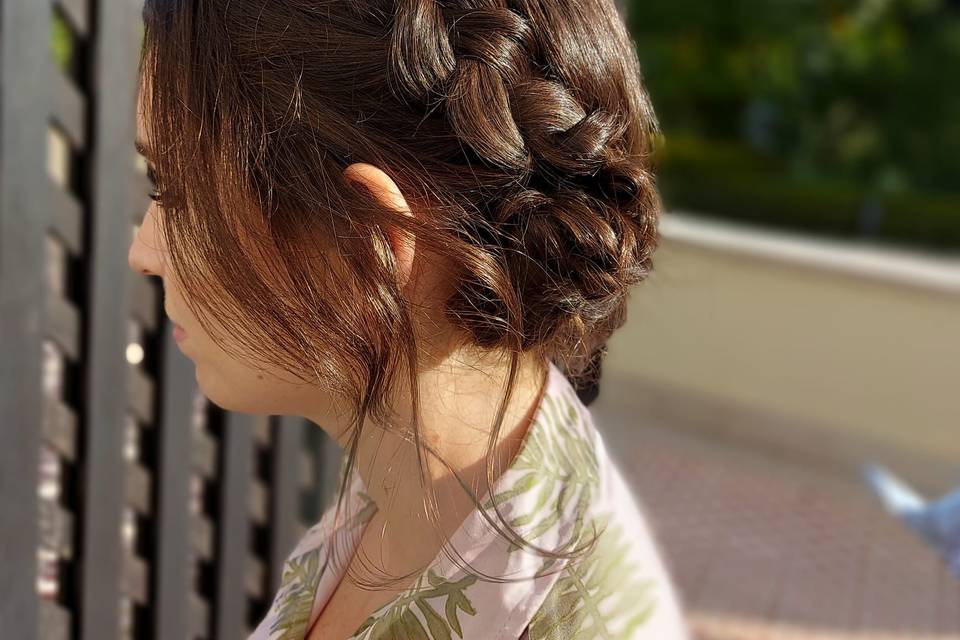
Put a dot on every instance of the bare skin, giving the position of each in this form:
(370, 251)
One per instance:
(404, 542)
(458, 397)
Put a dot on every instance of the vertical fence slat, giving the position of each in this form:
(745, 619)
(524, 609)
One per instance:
(234, 526)
(24, 102)
(112, 206)
(173, 587)
(286, 493)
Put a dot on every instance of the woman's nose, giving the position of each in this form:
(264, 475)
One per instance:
(144, 255)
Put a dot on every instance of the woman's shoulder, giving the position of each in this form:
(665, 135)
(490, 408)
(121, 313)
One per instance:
(620, 587)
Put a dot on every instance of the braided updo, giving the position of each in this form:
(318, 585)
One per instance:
(548, 94)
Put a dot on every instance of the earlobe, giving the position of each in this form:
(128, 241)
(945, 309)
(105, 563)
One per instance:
(388, 193)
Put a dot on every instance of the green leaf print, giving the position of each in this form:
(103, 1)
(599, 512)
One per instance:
(598, 596)
(559, 466)
(438, 627)
(400, 620)
(298, 586)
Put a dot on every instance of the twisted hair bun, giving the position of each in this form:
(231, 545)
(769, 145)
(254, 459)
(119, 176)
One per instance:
(550, 102)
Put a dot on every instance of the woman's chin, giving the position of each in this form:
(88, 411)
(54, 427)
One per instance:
(228, 397)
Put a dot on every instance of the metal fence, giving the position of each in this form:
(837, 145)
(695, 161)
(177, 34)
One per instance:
(129, 506)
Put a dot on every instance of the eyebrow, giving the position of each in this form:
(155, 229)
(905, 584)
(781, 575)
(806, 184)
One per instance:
(142, 148)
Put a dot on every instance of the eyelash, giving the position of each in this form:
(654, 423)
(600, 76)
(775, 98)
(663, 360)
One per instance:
(154, 194)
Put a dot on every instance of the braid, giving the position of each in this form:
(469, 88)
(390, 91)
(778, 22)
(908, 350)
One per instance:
(492, 47)
(421, 56)
(479, 59)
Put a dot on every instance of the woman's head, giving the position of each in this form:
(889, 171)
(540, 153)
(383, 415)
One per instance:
(514, 136)
(228, 370)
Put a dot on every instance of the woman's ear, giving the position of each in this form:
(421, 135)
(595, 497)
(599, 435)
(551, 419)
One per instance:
(385, 189)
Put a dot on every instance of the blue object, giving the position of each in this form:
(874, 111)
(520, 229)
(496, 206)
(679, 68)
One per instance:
(937, 521)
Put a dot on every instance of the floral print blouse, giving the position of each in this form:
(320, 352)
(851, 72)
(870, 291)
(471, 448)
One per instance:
(560, 492)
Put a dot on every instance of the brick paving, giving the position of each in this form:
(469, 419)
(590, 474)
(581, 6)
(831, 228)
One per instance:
(768, 549)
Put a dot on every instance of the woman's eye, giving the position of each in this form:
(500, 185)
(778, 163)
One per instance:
(152, 177)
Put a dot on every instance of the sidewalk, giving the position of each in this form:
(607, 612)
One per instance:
(766, 549)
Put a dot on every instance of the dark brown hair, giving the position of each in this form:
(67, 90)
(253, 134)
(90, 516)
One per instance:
(518, 130)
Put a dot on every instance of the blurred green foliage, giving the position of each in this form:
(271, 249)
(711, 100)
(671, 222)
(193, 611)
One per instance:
(740, 183)
(62, 43)
(839, 116)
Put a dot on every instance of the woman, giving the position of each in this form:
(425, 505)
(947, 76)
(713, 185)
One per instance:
(416, 223)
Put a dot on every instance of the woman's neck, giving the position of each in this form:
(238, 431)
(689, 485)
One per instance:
(458, 406)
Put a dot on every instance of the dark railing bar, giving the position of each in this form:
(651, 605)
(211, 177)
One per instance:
(24, 220)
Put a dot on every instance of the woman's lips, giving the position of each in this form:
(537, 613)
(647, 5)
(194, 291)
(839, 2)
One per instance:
(178, 333)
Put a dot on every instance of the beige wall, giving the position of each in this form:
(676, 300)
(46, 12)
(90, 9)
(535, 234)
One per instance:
(835, 362)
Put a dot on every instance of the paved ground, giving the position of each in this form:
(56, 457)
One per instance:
(765, 549)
